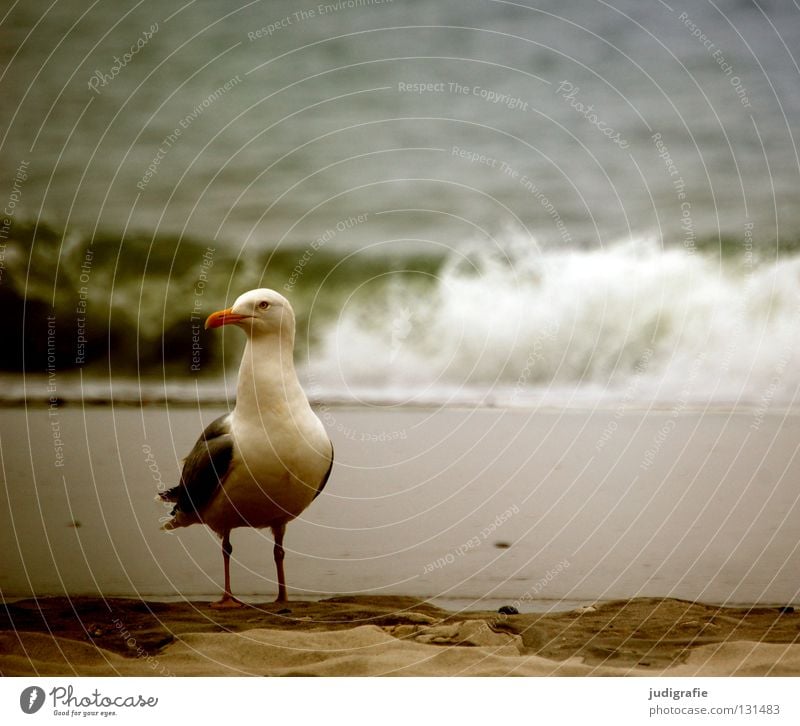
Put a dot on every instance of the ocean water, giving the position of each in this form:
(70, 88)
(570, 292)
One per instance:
(489, 202)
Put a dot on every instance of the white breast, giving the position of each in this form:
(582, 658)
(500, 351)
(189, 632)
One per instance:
(278, 465)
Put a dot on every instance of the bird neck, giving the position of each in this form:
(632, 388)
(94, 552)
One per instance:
(267, 379)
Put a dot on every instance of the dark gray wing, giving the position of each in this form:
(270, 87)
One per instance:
(204, 469)
(326, 477)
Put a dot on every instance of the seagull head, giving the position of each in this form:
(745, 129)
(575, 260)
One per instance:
(258, 312)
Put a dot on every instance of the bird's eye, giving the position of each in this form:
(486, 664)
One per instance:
(263, 304)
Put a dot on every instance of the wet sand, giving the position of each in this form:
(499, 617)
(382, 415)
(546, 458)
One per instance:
(392, 636)
(473, 507)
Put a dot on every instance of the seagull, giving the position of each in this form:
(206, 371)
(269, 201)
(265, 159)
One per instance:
(263, 463)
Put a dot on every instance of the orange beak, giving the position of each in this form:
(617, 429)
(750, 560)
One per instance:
(224, 317)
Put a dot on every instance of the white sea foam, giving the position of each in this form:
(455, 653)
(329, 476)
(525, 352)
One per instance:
(633, 321)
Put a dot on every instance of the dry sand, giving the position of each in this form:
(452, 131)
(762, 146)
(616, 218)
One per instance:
(356, 636)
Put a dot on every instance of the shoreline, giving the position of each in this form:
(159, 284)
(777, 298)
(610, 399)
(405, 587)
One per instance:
(710, 408)
(74, 389)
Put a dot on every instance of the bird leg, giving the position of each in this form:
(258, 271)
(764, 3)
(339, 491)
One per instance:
(228, 600)
(278, 553)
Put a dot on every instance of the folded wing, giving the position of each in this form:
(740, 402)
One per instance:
(204, 469)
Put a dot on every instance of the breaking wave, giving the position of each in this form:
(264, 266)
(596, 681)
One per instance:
(633, 321)
(636, 321)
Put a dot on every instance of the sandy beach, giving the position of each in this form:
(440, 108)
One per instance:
(396, 636)
(625, 549)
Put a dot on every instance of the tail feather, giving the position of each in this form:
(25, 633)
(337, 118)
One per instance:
(177, 520)
(177, 517)
(168, 524)
(169, 495)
